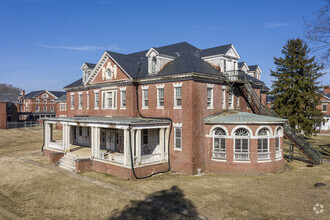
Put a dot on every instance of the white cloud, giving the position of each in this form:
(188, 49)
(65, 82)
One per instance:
(276, 25)
(83, 48)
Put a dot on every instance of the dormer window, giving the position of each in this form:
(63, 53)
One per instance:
(154, 65)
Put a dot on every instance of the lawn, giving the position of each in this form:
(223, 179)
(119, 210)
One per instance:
(31, 188)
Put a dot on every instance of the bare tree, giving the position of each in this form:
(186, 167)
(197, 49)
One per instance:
(9, 89)
(318, 32)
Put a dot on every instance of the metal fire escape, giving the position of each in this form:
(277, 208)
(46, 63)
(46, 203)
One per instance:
(239, 79)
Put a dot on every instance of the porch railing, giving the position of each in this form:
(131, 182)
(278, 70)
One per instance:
(58, 144)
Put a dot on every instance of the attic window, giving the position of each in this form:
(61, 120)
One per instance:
(153, 65)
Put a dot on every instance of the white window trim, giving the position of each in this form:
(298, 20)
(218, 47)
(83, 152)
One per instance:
(223, 98)
(114, 99)
(242, 137)
(220, 136)
(326, 104)
(160, 86)
(71, 106)
(210, 86)
(231, 94)
(177, 125)
(87, 100)
(43, 109)
(268, 140)
(121, 98)
(143, 89)
(80, 100)
(96, 92)
(177, 85)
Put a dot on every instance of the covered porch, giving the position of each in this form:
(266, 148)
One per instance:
(112, 140)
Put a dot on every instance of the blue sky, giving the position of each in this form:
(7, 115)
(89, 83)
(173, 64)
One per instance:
(43, 43)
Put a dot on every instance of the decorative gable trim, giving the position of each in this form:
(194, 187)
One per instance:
(100, 64)
(236, 56)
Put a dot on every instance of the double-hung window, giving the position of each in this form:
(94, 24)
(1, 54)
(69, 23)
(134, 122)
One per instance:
(177, 95)
(231, 100)
(45, 108)
(72, 100)
(278, 134)
(51, 108)
(145, 98)
(123, 98)
(109, 99)
(37, 108)
(160, 97)
(178, 137)
(219, 144)
(87, 102)
(80, 100)
(223, 98)
(324, 107)
(96, 100)
(210, 96)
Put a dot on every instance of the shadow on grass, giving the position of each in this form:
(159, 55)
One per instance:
(164, 204)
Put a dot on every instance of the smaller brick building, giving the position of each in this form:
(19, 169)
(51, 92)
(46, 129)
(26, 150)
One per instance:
(324, 126)
(38, 104)
(9, 105)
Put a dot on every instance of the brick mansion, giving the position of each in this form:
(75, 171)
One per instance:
(173, 108)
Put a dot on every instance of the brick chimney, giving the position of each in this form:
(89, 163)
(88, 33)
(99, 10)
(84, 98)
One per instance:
(23, 93)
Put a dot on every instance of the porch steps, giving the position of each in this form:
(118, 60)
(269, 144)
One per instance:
(67, 162)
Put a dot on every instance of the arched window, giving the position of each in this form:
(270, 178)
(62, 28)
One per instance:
(219, 144)
(153, 65)
(278, 134)
(263, 144)
(242, 148)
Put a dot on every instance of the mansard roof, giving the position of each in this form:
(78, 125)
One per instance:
(78, 82)
(240, 64)
(33, 94)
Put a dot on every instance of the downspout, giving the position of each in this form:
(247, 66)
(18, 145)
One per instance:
(130, 140)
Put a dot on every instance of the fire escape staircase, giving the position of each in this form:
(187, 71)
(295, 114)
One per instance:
(239, 78)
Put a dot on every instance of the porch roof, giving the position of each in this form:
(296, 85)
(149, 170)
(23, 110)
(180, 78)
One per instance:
(233, 117)
(109, 120)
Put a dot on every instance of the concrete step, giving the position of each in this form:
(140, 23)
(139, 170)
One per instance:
(67, 162)
(66, 167)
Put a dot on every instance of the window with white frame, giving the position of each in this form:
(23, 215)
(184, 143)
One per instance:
(52, 101)
(96, 100)
(87, 102)
(324, 107)
(123, 98)
(231, 99)
(242, 142)
(278, 134)
(109, 100)
(154, 65)
(37, 109)
(177, 96)
(237, 100)
(223, 98)
(37, 100)
(80, 100)
(72, 100)
(210, 97)
(219, 144)
(263, 144)
(45, 108)
(145, 98)
(45, 100)
(52, 108)
(160, 97)
(178, 138)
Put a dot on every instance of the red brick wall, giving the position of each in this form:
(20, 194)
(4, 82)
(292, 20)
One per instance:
(3, 115)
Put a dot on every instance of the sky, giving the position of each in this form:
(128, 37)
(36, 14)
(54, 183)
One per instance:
(43, 43)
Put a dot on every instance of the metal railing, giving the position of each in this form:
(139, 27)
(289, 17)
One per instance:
(242, 156)
(22, 124)
(254, 101)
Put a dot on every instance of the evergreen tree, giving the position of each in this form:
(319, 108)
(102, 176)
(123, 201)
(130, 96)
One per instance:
(295, 88)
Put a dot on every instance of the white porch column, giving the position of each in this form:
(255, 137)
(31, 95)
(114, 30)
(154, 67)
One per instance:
(66, 138)
(138, 145)
(162, 143)
(46, 136)
(167, 131)
(95, 142)
(126, 147)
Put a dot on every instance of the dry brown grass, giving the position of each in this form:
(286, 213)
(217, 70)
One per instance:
(30, 188)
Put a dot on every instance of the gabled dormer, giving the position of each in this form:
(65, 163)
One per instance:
(225, 58)
(242, 66)
(255, 71)
(157, 61)
(87, 69)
